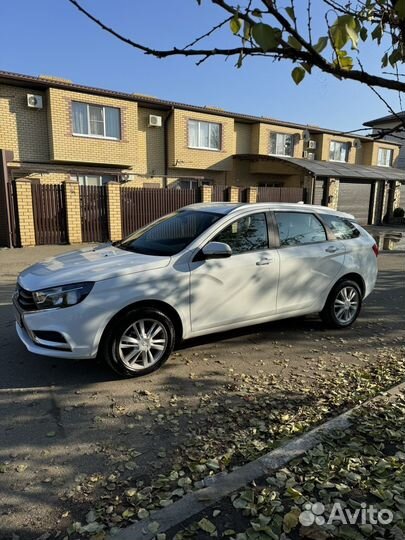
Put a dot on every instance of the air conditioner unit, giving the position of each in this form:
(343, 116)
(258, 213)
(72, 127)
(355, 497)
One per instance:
(34, 101)
(309, 155)
(155, 121)
(312, 144)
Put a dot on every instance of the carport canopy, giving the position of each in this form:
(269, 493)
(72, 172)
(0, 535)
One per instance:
(331, 169)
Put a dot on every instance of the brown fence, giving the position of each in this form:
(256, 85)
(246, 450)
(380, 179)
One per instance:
(280, 194)
(49, 214)
(219, 193)
(93, 205)
(141, 206)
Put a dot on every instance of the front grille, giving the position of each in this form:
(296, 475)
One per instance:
(25, 299)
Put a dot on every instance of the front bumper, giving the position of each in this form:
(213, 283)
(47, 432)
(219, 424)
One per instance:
(46, 351)
(80, 328)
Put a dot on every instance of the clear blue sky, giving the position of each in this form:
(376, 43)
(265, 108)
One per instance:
(51, 37)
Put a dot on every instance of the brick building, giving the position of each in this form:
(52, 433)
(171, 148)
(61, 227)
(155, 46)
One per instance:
(52, 131)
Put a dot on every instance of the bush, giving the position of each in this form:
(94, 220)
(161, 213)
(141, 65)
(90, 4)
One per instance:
(399, 212)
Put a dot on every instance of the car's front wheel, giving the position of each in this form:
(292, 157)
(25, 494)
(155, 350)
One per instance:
(139, 342)
(343, 305)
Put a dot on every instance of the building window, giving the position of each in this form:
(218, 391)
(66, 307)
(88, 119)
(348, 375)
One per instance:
(205, 135)
(93, 179)
(385, 157)
(96, 121)
(338, 151)
(281, 144)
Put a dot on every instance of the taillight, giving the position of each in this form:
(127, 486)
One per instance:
(375, 249)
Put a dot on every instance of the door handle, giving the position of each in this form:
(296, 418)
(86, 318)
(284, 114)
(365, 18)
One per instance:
(331, 249)
(263, 262)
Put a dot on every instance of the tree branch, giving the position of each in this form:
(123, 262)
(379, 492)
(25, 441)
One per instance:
(309, 55)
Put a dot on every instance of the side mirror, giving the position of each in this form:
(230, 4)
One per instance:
(216, 250)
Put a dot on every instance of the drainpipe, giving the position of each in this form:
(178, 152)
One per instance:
(166, 143)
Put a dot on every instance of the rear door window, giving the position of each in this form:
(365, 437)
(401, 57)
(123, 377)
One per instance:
(297, 228)
(342, 228)
(246, 234)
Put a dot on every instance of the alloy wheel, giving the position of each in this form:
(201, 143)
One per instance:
(143, 344)
(346, 304)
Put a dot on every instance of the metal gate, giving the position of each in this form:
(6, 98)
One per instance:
(280, 194)
(356, 198)
(93, 205)
(219, 193)
(49, 214)
(140, 206)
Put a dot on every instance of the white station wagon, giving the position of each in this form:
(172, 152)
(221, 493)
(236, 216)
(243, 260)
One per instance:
(203, 269)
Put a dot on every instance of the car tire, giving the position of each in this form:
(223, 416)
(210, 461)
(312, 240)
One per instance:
(343, 304)
(139, 342)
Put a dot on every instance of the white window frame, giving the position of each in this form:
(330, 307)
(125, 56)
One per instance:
(385, 151)
(347, 151)
(277, 134)
(95, 136)
(200, 147)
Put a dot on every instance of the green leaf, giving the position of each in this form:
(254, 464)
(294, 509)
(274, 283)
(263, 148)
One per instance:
(247, 30)
(294, 43)
(235, 24)
(338, 34)
(307, 67)
(384, 60)
(400, 8)
(363, 33)
(345, 28)
(298, 74)
(266, 36)
(344, 61)
(290, 520)
(207, 526)
(394, 57)
(291, 12)
(377, 33)
(322, 43)
(257, 13)
(353, 36)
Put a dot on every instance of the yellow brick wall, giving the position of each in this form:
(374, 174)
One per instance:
(355, 154)
(23, 130)
(181, 156)
(73, 212)
(261, 138)
(25, 213)
(370, 152)
(150, 144)
(114, 211)
(71, 148)
(242, 138)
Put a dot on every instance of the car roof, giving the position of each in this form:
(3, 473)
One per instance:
(226, 208)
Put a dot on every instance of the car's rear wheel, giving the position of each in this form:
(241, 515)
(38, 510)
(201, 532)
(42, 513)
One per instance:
(139, 342)
(343, 304)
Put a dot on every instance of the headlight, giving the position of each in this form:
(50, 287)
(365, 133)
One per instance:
(64, 296)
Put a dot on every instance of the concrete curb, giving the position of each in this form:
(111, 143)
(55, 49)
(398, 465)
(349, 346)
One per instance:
(224, 484)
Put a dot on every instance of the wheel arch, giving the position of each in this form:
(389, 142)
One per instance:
(167, 309)
(357, 278)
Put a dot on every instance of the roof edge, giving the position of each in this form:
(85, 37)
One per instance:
(45, 82)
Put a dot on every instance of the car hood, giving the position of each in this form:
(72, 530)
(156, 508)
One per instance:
(89, 264)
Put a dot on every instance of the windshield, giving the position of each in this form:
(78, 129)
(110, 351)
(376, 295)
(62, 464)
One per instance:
(170, 234)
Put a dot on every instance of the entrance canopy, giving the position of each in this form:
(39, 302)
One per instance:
(331, 169)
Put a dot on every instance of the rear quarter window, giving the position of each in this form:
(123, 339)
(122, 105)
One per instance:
(342, 228)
